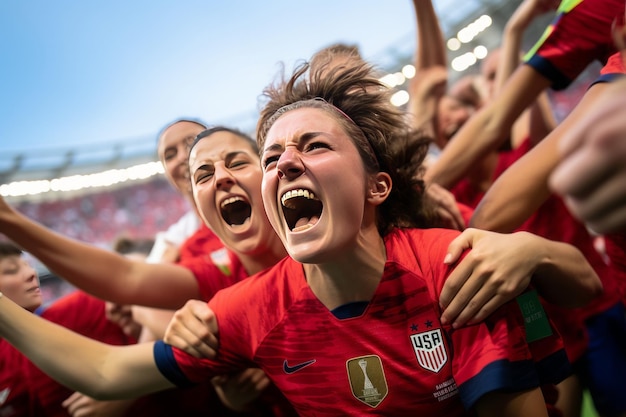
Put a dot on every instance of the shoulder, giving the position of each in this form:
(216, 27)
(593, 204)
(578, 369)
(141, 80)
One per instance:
(71, 306)
(419, 242)
(422, 252)
(268, 293)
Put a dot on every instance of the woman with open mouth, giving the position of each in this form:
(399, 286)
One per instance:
(349, 323)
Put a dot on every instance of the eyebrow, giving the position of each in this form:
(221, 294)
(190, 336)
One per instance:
(301, 138)
(227, 157)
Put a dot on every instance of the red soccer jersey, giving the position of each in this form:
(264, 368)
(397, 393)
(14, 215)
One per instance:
(201, 242)
(394, 359)
(579, 35)
(215, 270)
(16, 393)
(615, 247)
(555, 222)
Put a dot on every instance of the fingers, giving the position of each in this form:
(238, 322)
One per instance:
(461, 243)
(602, 210)
(202, 311)
(481, 295)
(193, 329)
(457, 302)
(446, 206)
(581, 172)
(71, 399)
(238, 390)
(451, 288)
(75, 403)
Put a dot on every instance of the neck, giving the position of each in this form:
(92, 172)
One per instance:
(351, 276)
(257, 262)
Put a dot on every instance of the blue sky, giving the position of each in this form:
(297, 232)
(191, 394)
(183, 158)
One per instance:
(87, 73)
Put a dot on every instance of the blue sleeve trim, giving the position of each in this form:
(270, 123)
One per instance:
(166, 362)
(554, 368)
(608, 78)
(501, 375)
(545, 68)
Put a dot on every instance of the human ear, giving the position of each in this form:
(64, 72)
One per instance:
(379, 188)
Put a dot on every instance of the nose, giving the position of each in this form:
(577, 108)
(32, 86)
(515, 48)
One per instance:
(223, 177)
(182, 156)
(290, 164)
(30, 273)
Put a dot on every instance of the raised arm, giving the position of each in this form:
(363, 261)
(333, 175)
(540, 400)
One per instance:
(538, 120)
(430, 47)
(487, 130)
(98, 271)
(96, 369)
(429, 83)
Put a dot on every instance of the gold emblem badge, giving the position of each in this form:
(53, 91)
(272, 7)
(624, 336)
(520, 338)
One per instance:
(367, 379)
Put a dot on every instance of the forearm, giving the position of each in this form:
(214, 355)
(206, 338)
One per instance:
(460, 153)
(518, 192)
(93, 368)
(488, 129)
(103, 273)
(153, 320)
(430, 47)
(509, 54)
(84, 265)
(563, 275)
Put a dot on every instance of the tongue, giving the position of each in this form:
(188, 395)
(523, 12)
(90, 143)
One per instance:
(305, 222)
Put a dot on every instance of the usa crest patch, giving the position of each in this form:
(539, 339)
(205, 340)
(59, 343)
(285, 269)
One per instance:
(430, 350)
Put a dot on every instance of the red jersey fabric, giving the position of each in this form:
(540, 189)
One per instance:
(215, 270)
(394, 359)
(555, 222)
(579, 35)
(201, 242)
(17, 397)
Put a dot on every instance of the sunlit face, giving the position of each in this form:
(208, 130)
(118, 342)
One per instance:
(173, 150)
(19, 282)
(314, 185)
(226, 182)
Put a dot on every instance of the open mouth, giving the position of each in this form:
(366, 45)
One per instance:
(301, 209)
(235, 211)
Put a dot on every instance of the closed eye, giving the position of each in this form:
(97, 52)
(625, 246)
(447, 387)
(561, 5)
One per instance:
(317, 145)
(272, 159)
(202, 175)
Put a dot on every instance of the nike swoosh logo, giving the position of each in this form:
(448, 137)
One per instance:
(291, 369)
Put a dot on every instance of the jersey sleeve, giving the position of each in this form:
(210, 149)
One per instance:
(496, 356)
(213, 271)
(238, 337)
(578, 35)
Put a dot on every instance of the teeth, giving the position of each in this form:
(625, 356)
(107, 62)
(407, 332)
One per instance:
(230, 201)
(297, 193)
